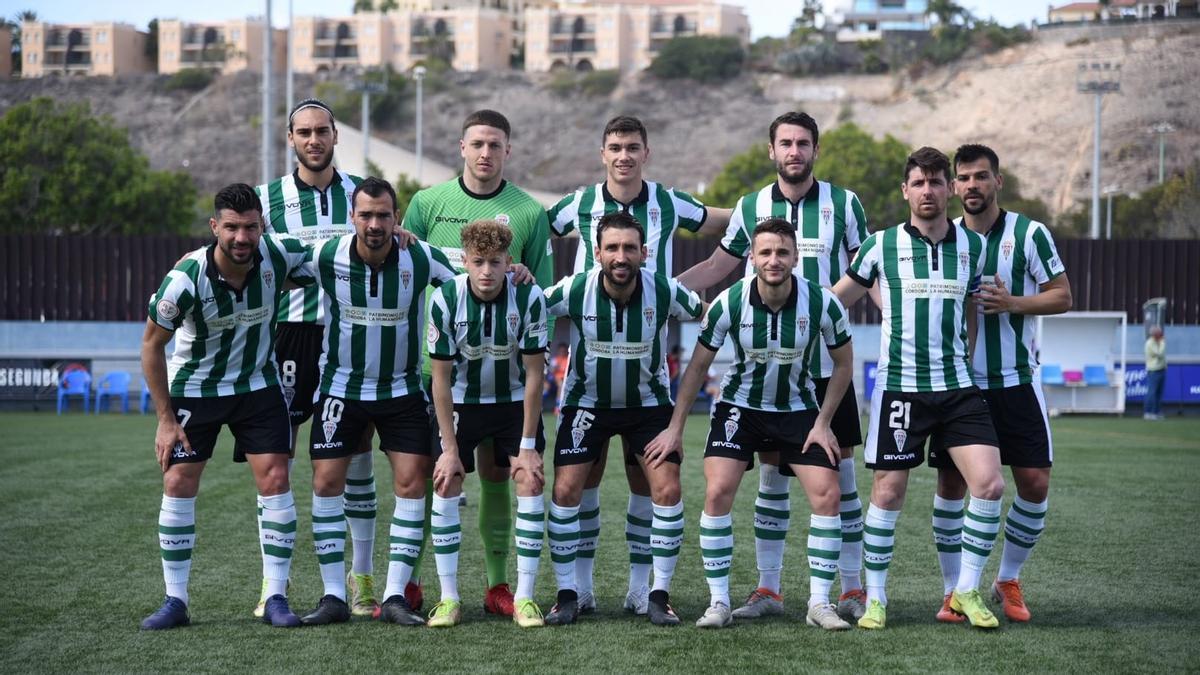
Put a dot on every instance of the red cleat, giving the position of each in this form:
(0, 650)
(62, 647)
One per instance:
(1012, 601)
(414, 595)
(947, 615)
(499, 600)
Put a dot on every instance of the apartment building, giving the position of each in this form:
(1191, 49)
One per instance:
(6, 62)
(870, 19)
(102, 48)
(469, 38)
(227, 46)
(618, 35)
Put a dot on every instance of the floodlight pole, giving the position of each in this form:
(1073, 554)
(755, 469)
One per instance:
(366, 86)
(419, 76)
(291, 80)
(1098, 78)
(267, 127)
(1162, 129)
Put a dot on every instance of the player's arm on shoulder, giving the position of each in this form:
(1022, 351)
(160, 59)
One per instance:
(861, 275)
(560, 219)
(724, 259)
(685, 303)
(440, 269)
(558, 296)
(715, 221)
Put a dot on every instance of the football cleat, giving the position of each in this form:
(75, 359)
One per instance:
(362, 594)
(826, 616)
(660, 611)
(396, 610)
(445, 614)
(414, 595)
(875, 618)
(527, 614)
(330, 609)
(716, 616)
(278, 614)
(637, 602)
(499, 600)
(587, 603)
(172, 614)
(563, 613)
(1011, 599)
(971, 604)
(761, 602)
(852, 605)
(261, 607)
(948, 615)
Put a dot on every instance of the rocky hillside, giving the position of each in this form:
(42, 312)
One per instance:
(1022, 101)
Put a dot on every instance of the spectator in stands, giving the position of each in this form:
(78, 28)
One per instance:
(1156, 373)
(556, 373)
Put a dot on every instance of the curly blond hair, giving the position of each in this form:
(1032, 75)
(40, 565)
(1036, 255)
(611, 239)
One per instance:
(486, 236)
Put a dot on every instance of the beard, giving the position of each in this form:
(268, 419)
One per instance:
(238, 256)
(375, 240)
(316, 166)
(609, 275)
(784, 278)
(794, 179)
(984, 203)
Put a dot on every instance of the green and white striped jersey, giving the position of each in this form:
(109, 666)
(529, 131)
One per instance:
(772, 349)
(225, 338)
(486, 340)
(830, 227)
(660, 210)
(923, 289)
(291, 206)
(1022, 252)
(618, 356)
(372, 349)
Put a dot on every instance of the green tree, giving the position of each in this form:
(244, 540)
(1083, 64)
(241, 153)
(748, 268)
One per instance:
(64, 171)
(699, 57)
(14, 28)
(405, 187)
(386, 6)
(743, 172)
(873, 169)
(152, 42)
(363, 6)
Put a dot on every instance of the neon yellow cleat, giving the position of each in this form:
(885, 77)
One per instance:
(971, 604)
(445, 614)
(875, 618)
(362, 594)
(261, 607)
(527, 614)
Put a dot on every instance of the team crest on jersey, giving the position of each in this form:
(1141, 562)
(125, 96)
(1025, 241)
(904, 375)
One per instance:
(964, 260)
(167, 310)
(432, 334)
(268, 278)
(405, 278)
(329, 427)
(900, 436)
(513, 322)
(1007, 248)
(827, 215)
(802, 325)
(655, 214)
(649, 314)
(501, 218)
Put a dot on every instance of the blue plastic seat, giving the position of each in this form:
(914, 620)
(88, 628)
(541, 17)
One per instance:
(75, 383)
(145, 398)
(113, 385)
(1095, 376)
(1052, 373)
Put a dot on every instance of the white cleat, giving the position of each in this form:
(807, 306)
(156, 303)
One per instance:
(637, 602)
(716, 616)
(587, 603)
(826, 616)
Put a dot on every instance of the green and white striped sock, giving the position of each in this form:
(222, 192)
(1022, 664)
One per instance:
(638, 515)
(879, 542)
(277, 534)
(980, 528)
(361, 504)
(716, 551)
(824, 549)
(563, 537)
(176, 539)
(772, 515)
(329, 541)
(446, 532)
(850, 562)
(666, 536)
(589, 536)
(947, 537)
(1022, 529)
(528, 535)
(404, 544)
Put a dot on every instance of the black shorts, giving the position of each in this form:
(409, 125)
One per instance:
(902, 421)
(338, 425)
(846, 424)
(501, 422)
(1019, 417)
(258, 421)
(583, 433)
(298, 356)
(738, 433)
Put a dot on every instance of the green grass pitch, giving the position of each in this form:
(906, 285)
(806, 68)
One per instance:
(1112, 584)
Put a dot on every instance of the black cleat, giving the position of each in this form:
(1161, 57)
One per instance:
(331, 609)
(565, 611)
(172, 614)
(396, 610)
(660, 610)
(278, 614)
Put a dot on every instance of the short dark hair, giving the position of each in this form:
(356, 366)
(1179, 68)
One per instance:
(972, 152)
(800, 119)
(237, 197)
(311, 103)
(930, 160)
(624, 124)
(777, 226)
(373, 187)
(487, 118)
(619, 220)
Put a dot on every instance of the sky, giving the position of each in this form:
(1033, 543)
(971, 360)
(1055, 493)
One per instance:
(767, 17)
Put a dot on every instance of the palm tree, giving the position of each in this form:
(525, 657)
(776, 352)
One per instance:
(946, 11)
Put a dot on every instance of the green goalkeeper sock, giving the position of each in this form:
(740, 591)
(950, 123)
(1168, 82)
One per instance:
(495, 527)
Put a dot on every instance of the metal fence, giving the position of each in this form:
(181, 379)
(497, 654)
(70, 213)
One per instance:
(110, 278)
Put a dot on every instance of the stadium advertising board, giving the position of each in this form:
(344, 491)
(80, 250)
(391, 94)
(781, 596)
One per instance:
(35, 379)
(1182, 384)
